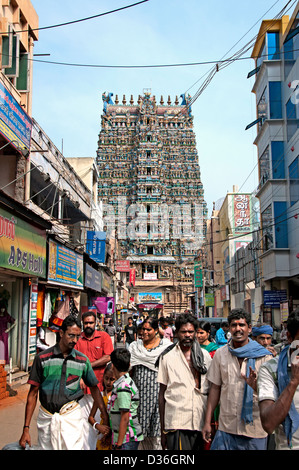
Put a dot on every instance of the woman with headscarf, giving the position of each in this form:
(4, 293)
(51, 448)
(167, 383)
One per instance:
(144, 355)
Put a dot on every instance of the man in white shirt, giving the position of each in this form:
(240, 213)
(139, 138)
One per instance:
(183, 389)
(232, 376)
(278, 391)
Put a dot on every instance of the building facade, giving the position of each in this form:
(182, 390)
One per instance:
(152, 194)
(276, 78)
(54, 259)
(237, 221)
(212, 268)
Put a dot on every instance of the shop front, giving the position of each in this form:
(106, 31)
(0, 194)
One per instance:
(93, 288)
(61, 293)
(23, 253)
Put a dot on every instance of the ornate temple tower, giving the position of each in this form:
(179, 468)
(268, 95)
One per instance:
(152, 195)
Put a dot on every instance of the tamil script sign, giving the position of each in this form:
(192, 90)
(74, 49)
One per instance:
(23, 247)
(242, 213)
(65, 266)
(198, 282)
(273, 298)
(122, 265)
(15, 124)
(96, 246)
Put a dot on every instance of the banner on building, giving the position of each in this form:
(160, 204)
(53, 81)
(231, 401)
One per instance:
(122, 265)
(104, 305)
(284, 311)
(106, 282)
(23, 247)
(242, 212)
(65, 266)
(224, 293)
(15, 124)
(96, 246)
(209, 300)
(273, 298)
(155, 297)
(32, 321)
(132, 277)
(150, 276)
(198, 277)
(93, 278)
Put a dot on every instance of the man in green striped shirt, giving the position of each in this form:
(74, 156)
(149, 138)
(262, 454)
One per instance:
(55, 375)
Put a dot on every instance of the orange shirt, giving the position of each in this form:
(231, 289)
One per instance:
(94, 348)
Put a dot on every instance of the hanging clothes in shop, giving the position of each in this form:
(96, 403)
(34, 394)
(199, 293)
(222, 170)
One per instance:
(40, 306)
(75, 303)
(63, 308)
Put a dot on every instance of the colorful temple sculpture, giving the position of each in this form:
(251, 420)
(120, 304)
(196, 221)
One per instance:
(152, 195)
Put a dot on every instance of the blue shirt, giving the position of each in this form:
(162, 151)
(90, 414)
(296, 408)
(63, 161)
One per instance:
(220, 337)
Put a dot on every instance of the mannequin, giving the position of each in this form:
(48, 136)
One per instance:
(5, 319)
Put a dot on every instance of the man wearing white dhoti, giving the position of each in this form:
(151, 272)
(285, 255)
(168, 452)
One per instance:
(55, 376)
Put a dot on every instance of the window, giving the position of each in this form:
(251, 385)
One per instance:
(273, 45)
(281, 226)
(291, 47)
(277, 154)
(294, 181)
(267, 227)
(264, 162)
(270, 48)
(275, 100)
(261, 56)
(262, 108)
(292, 121)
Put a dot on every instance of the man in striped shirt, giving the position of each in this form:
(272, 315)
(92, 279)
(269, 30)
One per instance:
(55, 376)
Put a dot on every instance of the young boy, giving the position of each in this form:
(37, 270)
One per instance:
(126, 430)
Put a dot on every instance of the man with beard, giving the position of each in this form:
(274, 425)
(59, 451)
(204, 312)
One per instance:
(183, 388)
(233, 374)
(55, 376)
(97, 346)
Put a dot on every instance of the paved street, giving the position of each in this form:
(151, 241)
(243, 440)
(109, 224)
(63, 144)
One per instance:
(12, 411)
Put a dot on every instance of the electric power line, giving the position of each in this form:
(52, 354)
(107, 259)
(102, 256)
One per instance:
(79, 20)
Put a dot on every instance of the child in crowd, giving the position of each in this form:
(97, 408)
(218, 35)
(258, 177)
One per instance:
(104, 442)
(122, 409)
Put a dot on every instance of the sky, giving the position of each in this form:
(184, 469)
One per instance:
(67, 99)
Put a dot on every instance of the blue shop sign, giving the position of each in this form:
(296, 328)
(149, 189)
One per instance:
(93, 278)
(96, 246)
(15, 124)
(273, 298)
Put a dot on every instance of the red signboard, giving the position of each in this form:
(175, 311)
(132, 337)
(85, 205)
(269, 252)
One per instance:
(122, 265)
(132, 276)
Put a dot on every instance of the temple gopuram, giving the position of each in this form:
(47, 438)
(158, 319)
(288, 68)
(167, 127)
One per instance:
(152, 196)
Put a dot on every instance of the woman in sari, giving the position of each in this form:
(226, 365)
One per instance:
(144, 354)
(203, 334)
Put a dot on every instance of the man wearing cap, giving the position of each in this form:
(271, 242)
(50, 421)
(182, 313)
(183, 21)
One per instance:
(263, 334)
